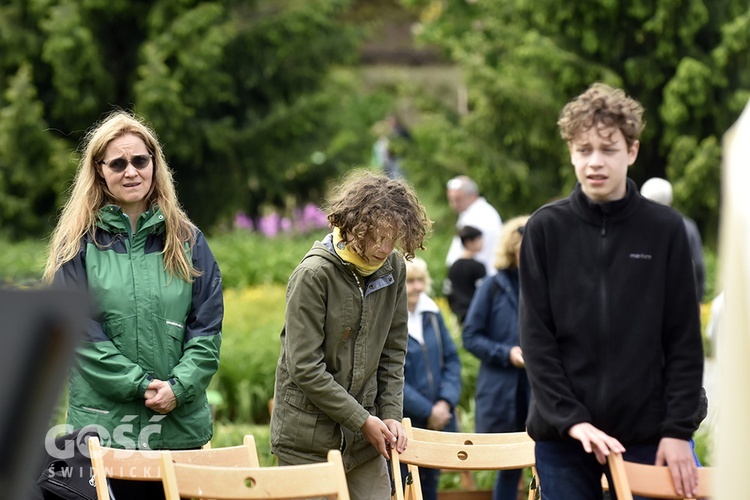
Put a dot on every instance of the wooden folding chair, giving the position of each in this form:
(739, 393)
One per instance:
(326, 479)
(458, 451)
(145, 465)
(653, 481)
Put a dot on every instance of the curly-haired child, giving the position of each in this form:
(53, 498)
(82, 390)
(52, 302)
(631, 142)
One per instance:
(340, 374)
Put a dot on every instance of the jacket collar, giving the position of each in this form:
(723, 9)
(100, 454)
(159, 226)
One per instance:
(325, 249)
(613, 211)
(113, 220)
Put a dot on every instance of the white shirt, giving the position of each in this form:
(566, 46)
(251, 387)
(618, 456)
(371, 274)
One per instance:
(424, 304)
(484, 217)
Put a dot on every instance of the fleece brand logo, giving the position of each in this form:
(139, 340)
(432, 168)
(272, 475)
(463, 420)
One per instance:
(640, 256)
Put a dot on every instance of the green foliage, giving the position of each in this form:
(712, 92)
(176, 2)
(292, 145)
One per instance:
(240, 93)
(253, 318)
(686, 61)
(248, 259)
(231, 434)
(21, 262)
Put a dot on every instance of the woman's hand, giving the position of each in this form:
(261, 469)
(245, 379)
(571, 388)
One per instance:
(516, 357)
(440, 416)
(160, 397)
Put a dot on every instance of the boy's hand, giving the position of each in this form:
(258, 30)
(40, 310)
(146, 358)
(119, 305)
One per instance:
(382, 437)
(678, 456)
(595, 440)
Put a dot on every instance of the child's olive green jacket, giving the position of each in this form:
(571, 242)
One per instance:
(343, 347)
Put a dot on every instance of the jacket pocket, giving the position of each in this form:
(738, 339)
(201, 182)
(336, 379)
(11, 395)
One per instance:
(304, 427)
(173, 339)
(122, 333)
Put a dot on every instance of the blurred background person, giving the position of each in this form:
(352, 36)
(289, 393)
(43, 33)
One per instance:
(473, 210)
(432, 372)
(660, 191)
(491, 334)
(392, 137)
(466, 273)
(152, 344)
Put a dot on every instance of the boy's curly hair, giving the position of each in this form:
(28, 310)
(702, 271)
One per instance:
(604, 107)
(366, 207)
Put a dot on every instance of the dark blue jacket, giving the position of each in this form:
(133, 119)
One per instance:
(432, 372)
(490, 331)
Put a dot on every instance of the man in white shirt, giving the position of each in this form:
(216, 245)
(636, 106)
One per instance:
(473, 210)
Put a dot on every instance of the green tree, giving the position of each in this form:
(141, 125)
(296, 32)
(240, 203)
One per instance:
(239, 92)
(686, 61)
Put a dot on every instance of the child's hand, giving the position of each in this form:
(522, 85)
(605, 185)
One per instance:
(378, 435)
(397, 430)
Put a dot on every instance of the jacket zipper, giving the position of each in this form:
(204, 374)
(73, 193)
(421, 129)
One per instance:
(603, 386)
(430, 379)
(361, 323)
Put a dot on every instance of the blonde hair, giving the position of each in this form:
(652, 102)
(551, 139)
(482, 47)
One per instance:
(416, 269)
(89, 193)
(510, 242)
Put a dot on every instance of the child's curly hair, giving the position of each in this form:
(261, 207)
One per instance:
(367, 206)
(604, 107)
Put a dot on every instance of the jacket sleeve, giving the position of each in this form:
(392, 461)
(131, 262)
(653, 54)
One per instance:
(391, 367)
(476, 332)
(450, 387)
(552, 393)
(98, 361)
(682, 343)
(200, 356)
(304, 337)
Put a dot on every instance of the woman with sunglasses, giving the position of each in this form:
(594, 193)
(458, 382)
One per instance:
(152, 344)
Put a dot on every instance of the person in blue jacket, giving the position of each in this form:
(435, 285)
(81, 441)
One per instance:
(491, 334)
(432, 372)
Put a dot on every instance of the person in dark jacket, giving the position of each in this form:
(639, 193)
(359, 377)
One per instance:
(465, 275)
(432, 372)
(491, 334)
(660, 191)
(340, 375)
(609, 318)
(152, 344)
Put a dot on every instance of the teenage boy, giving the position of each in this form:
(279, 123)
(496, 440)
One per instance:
(609, 322)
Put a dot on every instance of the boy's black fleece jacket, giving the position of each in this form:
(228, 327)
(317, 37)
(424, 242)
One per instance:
(609, 320)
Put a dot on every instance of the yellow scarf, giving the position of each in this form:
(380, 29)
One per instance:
(351, 257)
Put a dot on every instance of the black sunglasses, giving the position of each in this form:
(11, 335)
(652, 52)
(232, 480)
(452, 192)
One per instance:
(120, 164)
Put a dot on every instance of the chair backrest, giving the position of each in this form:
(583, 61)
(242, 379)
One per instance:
(653, 481)
(458, 451)
(145, 465)
(326, 479)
